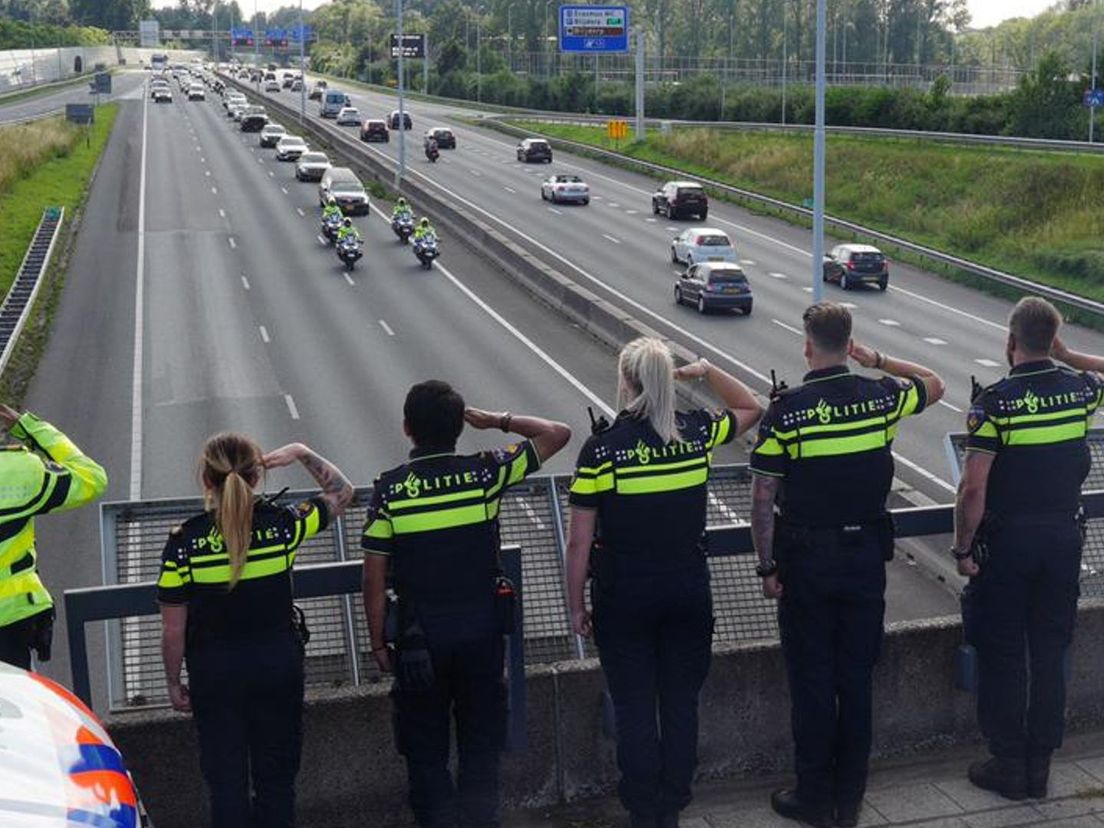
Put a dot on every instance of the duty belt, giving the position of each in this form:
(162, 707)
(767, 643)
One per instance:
(814, 535)
(1039, 519)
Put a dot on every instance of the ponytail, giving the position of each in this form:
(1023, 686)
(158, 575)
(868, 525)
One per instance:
(230, 467)
(234, 521)
(647, 386)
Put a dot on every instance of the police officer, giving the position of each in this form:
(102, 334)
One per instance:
(639, 495)
(1017, 536)
(434, 520)
(823, 466)
(42, 472)
(226, 606)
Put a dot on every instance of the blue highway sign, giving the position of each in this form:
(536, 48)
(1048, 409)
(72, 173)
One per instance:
(594, 29)
(1093, 98)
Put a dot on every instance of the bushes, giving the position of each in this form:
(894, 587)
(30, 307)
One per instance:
(18, 34)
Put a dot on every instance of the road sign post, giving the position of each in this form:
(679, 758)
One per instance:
(639, 84)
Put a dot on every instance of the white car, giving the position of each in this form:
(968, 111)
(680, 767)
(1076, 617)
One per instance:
(565, 188)
(271, 135)
(272, 85)
(196, 92)
(702, 244)
(348, 116)
(312, 166)
(290, 147)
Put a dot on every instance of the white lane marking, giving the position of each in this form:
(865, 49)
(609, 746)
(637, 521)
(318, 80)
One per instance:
(954, 408)
(611, 238)
(509, 189)
(207, 173)
(789, 328)
(597, 197)
(748, 262)
(671, 229)
(849, 305)
(299, 210)
(202, 160)
(476, 173)
(807, 289)
(222, 213)
(386, 328)
(950, 308)
(778, 275)
(574, 381)
(988, 363)
(935, 340)
(890, 323)
(291, 407)
(139, 322)
(614, 204)
(245, 283)
(284, 189)
(927, 475)
(264, 335)
(214, 190)
(554, 210)
(651, 220)
(349, 279)
(251, 149)
(233, 244)
(631, 212)
(260, 160)
(271, 174)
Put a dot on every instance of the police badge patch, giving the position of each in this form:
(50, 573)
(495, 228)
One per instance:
(975, 418)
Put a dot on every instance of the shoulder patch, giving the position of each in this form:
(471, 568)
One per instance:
(176, 531)
(975, 418)
(303, 509)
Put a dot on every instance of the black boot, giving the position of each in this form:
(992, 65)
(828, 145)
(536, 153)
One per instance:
(847, 814)
(1038, 774)
(1007, 777)
(786, 804)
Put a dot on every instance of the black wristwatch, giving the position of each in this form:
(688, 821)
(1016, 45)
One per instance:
(960, 556)
(765, 570)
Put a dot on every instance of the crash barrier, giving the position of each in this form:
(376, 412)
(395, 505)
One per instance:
(34, 68)
(964, 265)
(21, 296)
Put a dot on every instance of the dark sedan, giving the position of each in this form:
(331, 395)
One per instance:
(443, 136)
(534, 149)
(714, 286)
(374, 130)
(855, 264)
(393, 120)
(254, 121)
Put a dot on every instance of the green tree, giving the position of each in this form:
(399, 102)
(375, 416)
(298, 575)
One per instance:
(1045, 100)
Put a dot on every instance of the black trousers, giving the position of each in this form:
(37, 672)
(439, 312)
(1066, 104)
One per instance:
(15, 642)
(831, 618)
(247, 700)
(1024, 607)
(468, 685)
(654, 632)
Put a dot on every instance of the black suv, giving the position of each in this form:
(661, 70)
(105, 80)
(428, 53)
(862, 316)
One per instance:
(443, 136)
(373, 130)
(393, 120)
(534, 149)
(855, 264)
(677, 199)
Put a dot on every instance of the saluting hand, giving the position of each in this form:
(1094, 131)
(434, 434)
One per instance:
(8, 416)
(283, 456)
(1058, 350)
(480, 419)
(692, 370)
(866, 356)
(772, 587)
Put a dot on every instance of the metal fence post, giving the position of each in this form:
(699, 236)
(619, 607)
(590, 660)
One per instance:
(561, 544)
(518, 739)
(350, 626)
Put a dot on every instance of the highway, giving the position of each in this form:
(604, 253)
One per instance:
(199, 298)
(617, 248)
(36, 106)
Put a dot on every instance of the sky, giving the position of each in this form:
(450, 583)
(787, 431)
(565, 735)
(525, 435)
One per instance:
(984, 12)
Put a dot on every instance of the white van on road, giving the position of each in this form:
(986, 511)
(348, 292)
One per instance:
(332, 102)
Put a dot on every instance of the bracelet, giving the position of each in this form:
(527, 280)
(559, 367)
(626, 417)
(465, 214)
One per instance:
(960, 556)
(879, 360)
(504, 421)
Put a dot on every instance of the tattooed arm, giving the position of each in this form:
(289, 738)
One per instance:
(764, 490)
(337, 491)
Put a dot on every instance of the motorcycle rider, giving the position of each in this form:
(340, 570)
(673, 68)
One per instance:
(331, 209)
(431, 150)
(400, 208)
(347, 231)
(423, 230)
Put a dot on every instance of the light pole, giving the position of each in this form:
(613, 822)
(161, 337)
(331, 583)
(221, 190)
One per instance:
(256, 47)
(479, 54)
(818, 156)
(401, 170)
(1092, 84)
(547, 48)
(785, 34)
(302, 67)
(510, 36)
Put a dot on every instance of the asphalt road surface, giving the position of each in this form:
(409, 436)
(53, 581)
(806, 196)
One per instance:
(46, 103)
(245, 321)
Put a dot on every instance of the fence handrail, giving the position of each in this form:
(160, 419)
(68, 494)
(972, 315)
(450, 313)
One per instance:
(1017, 282)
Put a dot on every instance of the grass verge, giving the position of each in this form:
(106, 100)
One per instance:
(1037, 215)
(62, 180)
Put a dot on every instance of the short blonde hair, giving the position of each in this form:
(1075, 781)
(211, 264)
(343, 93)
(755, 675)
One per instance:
(647, 387)
(1034, 322)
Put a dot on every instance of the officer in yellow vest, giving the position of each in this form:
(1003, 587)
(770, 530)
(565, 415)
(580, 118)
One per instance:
(42, 472)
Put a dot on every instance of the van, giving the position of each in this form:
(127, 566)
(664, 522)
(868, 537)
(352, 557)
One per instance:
(332, 102)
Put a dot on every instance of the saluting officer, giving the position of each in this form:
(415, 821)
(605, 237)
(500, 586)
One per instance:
(43, 472)
(639, 495)
(823, 466)
(434, 519)
(1026, 458)
(226, 606)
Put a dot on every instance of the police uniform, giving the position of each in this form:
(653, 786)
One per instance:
(1034, 421)
(436, 519)
(48, 473)
(829, 443)
(245, 662)
(652, 607)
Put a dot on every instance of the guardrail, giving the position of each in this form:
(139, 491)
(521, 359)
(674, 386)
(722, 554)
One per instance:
(24, 289)
(966, 266)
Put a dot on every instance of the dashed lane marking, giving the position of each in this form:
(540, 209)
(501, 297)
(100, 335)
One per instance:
(284, 190)
(987, 363)
(349, 279)
(557, 212)
(935, 340)
(611, 238)
(222, 213)
(510, 190)
(214, 190)
(245, 283)
(789, 328)
(954, 408)
(291, 407)
(748, 262)
(299, 210)
(778, 275)
(264, 335)
(890, 323)
(233, 244)
(386, 328)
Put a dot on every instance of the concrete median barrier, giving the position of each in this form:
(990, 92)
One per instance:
(351, 775)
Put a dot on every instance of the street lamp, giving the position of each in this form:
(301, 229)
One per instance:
(479, 54)
(547, 49)
(818, 154)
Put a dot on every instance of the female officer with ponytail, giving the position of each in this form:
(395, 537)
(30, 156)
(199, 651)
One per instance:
(638, 497)
(226, 607)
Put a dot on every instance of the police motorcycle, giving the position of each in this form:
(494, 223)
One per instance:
(348, 248)
(402, 223)
(330, 225)
(427, 249)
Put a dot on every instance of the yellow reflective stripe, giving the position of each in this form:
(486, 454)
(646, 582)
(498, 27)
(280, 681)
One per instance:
(986, 429)
(770, 447)
(654, 467)
(1045, 434)
(839, 445)
(311, 524)
(379, 528)
(18, 546)
(496, 487)
(592, 485)
(251, 570)
(664, 483)
(1051, 415)
(910, 398)
(467, 494)
(170, 579)
(594, 471)
(834, 427)
(519, 466)
(439, 519)
(720, 430)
